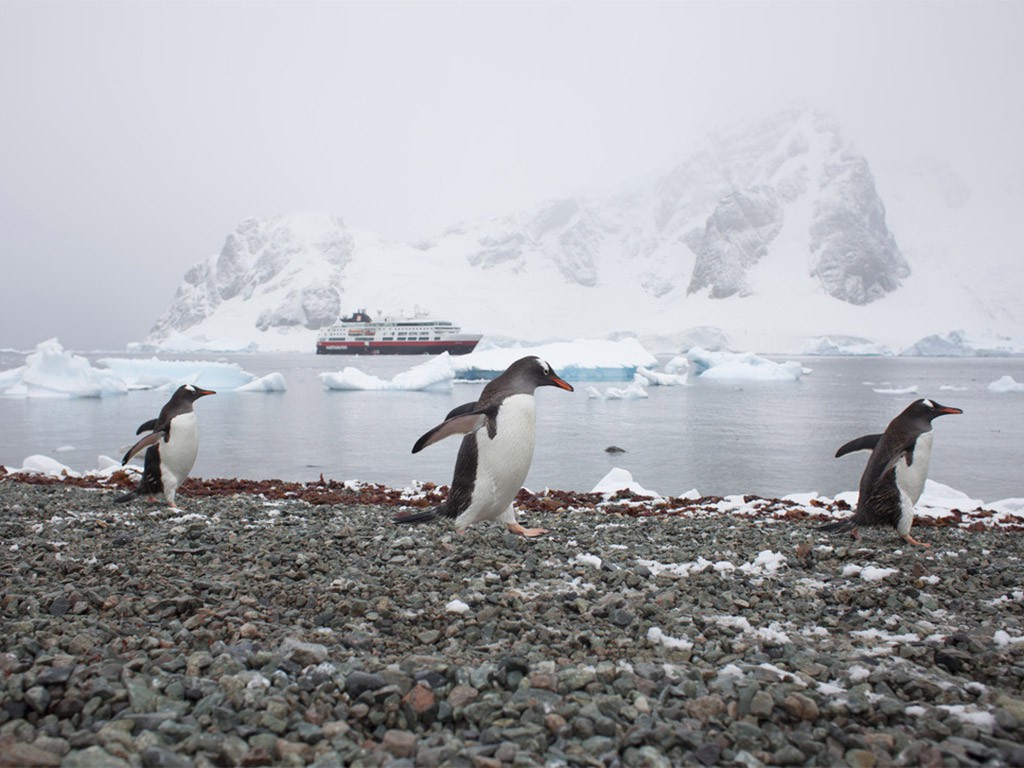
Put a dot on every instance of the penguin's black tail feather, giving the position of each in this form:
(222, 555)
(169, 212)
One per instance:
(426, 516)
(125, 497)
(839, 526)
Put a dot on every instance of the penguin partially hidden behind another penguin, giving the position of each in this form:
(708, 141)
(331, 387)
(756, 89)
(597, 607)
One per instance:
(896, 471)
(496, 452)
(171, 446)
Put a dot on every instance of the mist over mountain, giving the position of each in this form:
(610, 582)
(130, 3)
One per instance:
(772, 234)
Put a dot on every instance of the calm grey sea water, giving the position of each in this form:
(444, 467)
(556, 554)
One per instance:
(720, 438)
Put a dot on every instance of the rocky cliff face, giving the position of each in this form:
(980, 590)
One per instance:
(787, 193)
(294, 263)
(855, 256)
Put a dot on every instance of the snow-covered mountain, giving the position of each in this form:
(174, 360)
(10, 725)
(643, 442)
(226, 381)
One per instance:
(770, 235)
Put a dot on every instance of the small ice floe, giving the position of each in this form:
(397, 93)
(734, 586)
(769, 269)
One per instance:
(911, 390)
(1006, 384)
(50, 371)
(745, 366)
(658, 379)
(619, 479)
(272, 382)
(435, 374)
(634, 391)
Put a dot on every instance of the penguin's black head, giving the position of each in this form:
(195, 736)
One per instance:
(548, 377)
(534, 372)
(190, 393)
(927, 410)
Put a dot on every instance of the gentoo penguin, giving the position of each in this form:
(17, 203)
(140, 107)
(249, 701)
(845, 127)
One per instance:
(171, 446)
(495, 455)
(894, 476)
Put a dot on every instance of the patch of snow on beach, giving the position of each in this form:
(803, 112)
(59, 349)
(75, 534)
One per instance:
(456, 606)
(619, 479)
(766, 563)
(656, 635)
(868, 572)
(588, 559)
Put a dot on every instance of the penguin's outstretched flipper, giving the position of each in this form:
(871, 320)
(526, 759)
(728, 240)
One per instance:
(461, 424)
(151, 439)
(865, 443)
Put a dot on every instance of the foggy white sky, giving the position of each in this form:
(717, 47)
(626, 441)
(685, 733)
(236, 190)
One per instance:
(136, 135)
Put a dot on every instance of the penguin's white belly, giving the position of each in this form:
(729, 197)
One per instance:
(910, 479)
(502, 462)
(178, 454)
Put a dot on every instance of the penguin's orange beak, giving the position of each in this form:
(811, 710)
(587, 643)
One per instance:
(555, 381)
(949, 409)
(202, 392)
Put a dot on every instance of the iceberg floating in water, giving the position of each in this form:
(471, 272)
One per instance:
(658, 379)
(435, 374)
(961, 344)
(51, 371)
(843, 345)
(580, 360)
(152, 373)
(1006, 384)
(272, 382)
(744, 366)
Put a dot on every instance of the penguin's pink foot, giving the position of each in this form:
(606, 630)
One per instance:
(911, 540)
(529, 533)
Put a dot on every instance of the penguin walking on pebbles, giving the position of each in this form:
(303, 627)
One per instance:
(171, 446)
(896, 471)
(496, 452)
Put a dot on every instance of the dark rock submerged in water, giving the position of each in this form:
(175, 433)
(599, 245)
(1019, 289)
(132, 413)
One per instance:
(254, 629)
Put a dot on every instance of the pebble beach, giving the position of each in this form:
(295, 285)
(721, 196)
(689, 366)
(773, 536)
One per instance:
(275, 624)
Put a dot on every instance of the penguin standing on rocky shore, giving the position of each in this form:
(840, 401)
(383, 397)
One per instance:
(496, 452)
(171, 446)
(896, 471)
